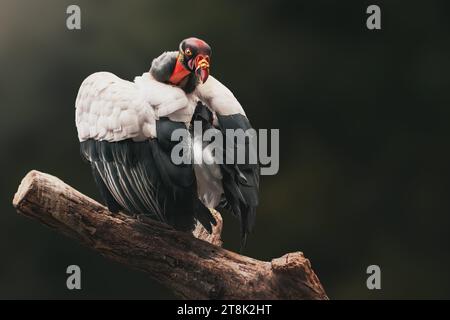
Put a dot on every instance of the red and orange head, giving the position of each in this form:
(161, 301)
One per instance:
(195, 54)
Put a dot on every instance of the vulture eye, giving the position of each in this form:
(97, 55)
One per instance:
(188, 52)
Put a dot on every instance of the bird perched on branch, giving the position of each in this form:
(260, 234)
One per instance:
(125, 131)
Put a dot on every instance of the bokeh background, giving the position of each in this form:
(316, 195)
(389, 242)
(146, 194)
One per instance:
(363, 116)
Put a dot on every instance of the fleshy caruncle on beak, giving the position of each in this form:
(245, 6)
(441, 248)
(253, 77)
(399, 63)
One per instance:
(202, 68)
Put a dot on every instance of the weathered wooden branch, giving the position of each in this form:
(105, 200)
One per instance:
(192, 268)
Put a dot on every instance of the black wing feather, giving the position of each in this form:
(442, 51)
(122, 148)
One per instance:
(139, 178)
(240, 181)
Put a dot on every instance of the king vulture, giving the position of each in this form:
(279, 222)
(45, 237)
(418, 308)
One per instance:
(125, 129)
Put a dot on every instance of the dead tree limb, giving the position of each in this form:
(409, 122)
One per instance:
(192, 268)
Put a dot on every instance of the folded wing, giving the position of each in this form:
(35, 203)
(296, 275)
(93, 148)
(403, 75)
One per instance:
(240, 181)
(124, 130)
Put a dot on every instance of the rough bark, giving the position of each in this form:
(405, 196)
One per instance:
(191, 267)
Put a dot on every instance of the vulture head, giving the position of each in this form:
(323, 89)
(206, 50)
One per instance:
(186, 67)
(195, 55)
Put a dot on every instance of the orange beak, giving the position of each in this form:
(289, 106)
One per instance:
(202, 67)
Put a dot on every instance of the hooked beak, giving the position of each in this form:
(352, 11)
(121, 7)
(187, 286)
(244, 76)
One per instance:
(202, 67)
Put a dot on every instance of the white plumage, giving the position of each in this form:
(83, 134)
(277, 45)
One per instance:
(208, 175)
(112, 109)
(218, 98)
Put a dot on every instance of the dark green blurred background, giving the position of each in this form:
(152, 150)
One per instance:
(363, 116)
